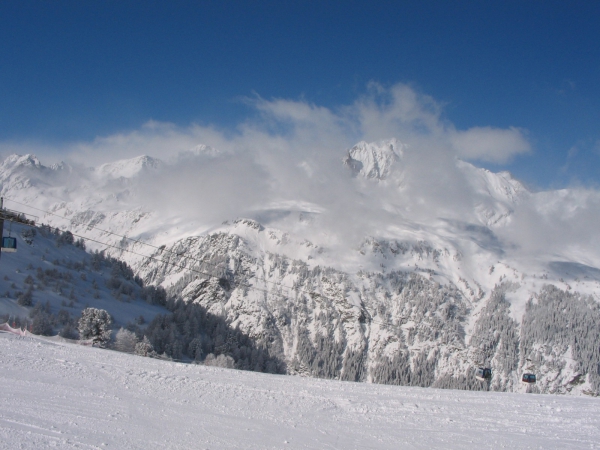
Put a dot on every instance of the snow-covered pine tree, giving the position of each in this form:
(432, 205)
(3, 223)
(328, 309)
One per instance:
(144, 348)
(95, 324)
(125, 341)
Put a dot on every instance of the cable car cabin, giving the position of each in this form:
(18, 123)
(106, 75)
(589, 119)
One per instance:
(9, 244)
(528, 378)
(483, 373)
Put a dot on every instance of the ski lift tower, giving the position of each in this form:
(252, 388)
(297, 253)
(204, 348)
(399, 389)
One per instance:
(9, 244)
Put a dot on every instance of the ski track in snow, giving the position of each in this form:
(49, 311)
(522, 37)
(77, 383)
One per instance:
(67, 396)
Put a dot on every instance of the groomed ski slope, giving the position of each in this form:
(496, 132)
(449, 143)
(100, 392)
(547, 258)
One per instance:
(68, 396)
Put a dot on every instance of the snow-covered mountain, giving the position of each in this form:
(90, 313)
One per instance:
(388, 268)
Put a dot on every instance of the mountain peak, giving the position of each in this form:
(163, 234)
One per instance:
(128, 168)
(27, 160)
(206, 150)
(374, 160)
(501, 186)
(60, 166)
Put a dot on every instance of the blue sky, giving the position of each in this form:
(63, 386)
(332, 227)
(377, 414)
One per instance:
(71, 71)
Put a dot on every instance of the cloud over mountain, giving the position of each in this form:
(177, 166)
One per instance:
(303, 156)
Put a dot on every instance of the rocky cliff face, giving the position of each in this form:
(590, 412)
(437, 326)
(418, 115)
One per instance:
(396, 327)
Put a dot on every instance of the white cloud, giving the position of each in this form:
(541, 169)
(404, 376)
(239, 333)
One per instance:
(555, 222)
(291, 153)
(297, 126)
(489, 144)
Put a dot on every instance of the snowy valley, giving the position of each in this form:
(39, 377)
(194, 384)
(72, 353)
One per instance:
(378, 268)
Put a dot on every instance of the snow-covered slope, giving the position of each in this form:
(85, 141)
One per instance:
(66, 396)
(63, 279)
(384, 261)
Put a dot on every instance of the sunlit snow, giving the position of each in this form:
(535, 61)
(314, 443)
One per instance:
(68, 396)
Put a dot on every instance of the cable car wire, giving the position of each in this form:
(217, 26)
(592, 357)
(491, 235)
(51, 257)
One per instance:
(209, 275)
(279, 285)
(200, 272)
(161, 249)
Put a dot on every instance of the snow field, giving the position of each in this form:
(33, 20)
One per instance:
(67, 396)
